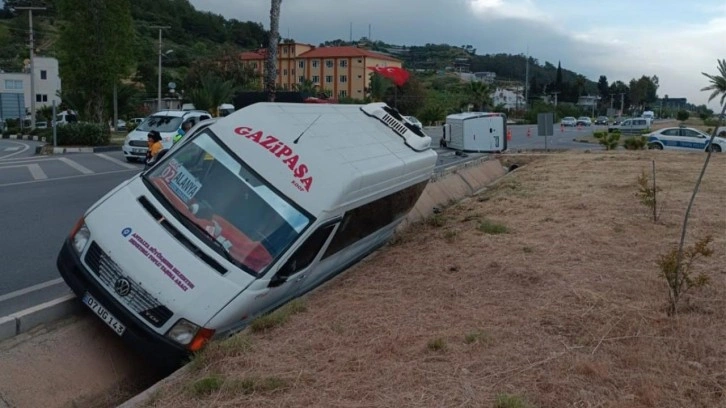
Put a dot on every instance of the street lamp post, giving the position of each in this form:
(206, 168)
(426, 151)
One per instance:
(158, 89)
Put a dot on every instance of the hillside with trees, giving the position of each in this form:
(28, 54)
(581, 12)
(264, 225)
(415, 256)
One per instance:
(200, 54)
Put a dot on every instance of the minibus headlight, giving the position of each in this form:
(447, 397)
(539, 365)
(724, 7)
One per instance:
(189, 334)
(80, 236)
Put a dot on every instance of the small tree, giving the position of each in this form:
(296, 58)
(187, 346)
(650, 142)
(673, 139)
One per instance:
(717, 87)
(675, 267)
(609, 140)
(648, 194)
(635, 143)
(683, 115)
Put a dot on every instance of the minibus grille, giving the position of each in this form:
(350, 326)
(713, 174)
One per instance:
(139, 143)
(137, 298)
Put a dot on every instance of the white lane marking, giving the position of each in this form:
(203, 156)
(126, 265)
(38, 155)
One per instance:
(26, 159)
(118, 162)
(24, 147)
(62, 178)
(36, 171)
(29, 289)
(82, 169)
(12, 149)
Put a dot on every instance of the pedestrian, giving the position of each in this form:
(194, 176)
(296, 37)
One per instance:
(183, 131)
(155, 146)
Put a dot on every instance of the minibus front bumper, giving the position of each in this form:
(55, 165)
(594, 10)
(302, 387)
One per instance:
(140, 337)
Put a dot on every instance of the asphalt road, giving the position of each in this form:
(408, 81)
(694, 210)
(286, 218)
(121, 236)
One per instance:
(41, 197)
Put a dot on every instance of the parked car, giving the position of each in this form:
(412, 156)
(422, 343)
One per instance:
(415, 121)
(136, 121)
(583, 121)
(120, 125)
(631, 126)
(684, 138)
(568, 121)
(602, 120)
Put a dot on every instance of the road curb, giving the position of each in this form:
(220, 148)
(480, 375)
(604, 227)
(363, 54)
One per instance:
(24, 137)
(24, 320)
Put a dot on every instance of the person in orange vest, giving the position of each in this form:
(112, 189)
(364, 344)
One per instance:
(155, 146)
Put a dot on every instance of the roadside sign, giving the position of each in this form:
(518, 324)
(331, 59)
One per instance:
(545, 124)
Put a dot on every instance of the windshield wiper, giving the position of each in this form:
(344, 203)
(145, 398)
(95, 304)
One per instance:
(218, 244)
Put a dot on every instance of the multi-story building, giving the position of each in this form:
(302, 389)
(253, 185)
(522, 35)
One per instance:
(339, 71)
(47, 83)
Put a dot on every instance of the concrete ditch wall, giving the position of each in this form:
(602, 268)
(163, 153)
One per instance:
(454, 184)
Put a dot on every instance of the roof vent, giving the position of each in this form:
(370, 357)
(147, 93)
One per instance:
(412, 136)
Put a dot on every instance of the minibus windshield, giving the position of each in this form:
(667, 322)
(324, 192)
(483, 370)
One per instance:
(227, 202)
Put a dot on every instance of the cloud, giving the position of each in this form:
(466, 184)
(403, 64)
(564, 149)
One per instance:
(620, 39)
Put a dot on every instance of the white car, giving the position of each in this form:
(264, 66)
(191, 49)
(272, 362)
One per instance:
(584, 121)
(683, 138)
(167, 122)
(415, 121)
(568, 121)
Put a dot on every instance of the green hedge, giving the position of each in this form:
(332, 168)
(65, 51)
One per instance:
(82, 134)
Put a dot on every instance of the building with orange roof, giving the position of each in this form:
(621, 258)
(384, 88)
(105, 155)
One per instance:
(340, 71)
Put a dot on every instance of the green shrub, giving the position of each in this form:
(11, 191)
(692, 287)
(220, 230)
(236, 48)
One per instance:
(635, 143)
(712, 122)
(489, 227)
(599, 134)
(83, 134)
(609, 140)
(682, 115)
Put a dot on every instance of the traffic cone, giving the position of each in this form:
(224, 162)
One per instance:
(509, 135)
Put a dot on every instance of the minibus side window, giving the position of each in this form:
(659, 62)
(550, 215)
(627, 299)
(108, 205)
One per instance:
(365, 220)
(304, 256)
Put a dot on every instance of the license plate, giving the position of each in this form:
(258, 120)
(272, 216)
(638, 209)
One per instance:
(104, 314)
(138, 150)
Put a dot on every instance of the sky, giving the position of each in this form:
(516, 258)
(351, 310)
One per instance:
(675, 40)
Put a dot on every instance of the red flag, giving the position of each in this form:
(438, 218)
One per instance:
(399, 76)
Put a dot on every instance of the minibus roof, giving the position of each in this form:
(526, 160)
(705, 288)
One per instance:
(324, 156)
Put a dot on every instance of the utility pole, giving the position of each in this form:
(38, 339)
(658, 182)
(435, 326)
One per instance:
(622, 103)
(158, 90)
(612, 100)
(526, 82)
(555, 94)
(32, 64)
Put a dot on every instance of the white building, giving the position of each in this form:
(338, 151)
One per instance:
(511, 99)
(47, 82)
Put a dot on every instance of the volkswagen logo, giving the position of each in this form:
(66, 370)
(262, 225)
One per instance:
(122, 287)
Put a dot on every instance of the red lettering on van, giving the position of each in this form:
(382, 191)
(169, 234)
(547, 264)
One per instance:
(282, 151)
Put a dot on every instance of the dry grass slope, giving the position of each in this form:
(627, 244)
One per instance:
(562, 308)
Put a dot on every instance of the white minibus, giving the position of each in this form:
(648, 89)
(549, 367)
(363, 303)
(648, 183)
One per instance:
(244, 214)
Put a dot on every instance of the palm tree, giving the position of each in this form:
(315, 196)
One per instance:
(717, 87)
(271, 63)
(212, 92)
(480, 94)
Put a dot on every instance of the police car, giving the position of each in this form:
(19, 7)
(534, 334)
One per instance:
(684, 138)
